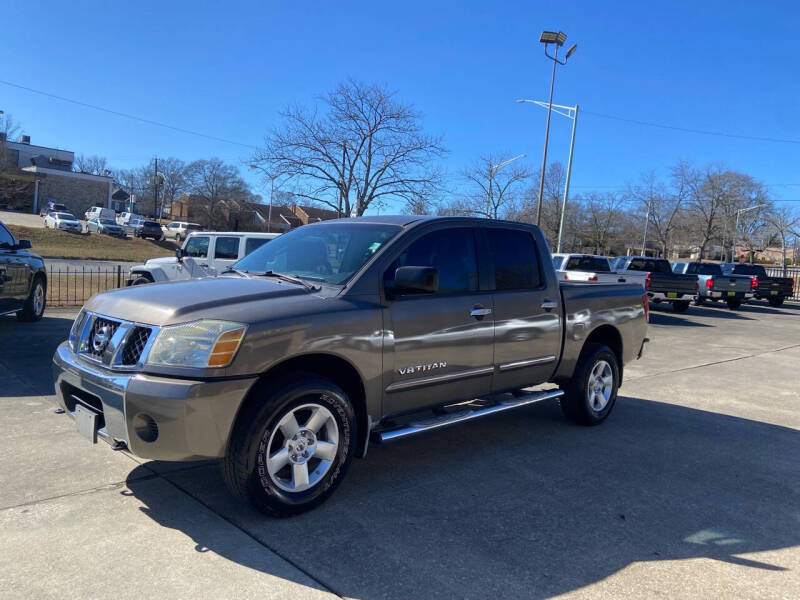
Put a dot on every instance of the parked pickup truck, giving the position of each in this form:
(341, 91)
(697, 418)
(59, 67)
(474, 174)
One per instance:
(663, 285)
(591, 268)
(203, 254)
(714, 285)
(339, 333)
(772, 289)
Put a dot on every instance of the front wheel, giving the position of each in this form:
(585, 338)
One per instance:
(590, 395)
(291, 449)
(680, 306)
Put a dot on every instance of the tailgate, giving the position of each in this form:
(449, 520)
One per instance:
(728, 283)
(682, 284)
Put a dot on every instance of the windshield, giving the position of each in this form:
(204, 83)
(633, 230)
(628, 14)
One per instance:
(325, 253)
(65, 216)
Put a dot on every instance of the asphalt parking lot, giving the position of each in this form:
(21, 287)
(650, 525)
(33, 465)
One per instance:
(691, 488)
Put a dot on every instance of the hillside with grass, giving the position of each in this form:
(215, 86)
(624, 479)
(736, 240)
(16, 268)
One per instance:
(52, 243)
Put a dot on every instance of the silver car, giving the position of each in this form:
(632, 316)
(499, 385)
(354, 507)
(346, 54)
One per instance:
(107, 226)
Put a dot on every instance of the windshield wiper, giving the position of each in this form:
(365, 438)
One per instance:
(237, 271)
(291, 279)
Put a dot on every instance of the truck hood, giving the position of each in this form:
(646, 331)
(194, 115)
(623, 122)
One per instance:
(165, 260)
(182, 301)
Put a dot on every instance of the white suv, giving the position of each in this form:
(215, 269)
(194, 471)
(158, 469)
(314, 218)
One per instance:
(179, 230)
(204, 254)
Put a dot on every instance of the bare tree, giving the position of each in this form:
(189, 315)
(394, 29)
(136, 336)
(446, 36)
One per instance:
(661, 206)
(175, 181)
(494, 190)
(359, 146)
(219, 190)
(94, 165)
(602, 218)
(785, 223)
(13, 189)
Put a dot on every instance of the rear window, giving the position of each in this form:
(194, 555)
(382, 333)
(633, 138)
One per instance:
(515, 260)
(749, 270)
(588, 263)
(650, 264)
(253, 244)
(151, 224)
(704, 269)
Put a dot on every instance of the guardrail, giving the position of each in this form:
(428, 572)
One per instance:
(72, 286)
(793, 272)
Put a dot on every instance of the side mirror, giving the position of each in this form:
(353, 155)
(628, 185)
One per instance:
(416, 280)
(24, 245)
(179, 254)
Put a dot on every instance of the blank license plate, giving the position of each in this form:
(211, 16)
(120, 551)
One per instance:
(672, 294)
(86, 423)
(731, 293)
(774, 292)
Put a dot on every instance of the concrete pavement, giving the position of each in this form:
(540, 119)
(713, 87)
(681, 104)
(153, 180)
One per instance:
(690, 489)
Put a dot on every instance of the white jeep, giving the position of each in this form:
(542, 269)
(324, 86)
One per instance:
(204, 254)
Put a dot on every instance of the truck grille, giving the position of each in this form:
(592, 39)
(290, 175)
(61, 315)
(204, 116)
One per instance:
(134, 345)
(105, 327)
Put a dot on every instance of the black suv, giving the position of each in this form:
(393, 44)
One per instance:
(23, 279)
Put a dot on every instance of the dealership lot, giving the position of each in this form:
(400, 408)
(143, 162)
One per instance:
(690, 489)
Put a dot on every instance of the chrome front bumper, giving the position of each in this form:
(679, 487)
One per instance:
(155, 417)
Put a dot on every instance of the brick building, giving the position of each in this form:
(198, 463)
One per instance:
(31, 175)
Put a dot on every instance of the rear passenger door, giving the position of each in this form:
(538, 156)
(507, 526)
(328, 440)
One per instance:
(439, 346)
(527, 310)
(226, 252)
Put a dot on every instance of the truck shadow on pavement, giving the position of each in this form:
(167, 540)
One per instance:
(524, 504)
(26, 350)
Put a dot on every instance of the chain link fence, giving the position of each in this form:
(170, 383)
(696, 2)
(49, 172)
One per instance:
(72, 286)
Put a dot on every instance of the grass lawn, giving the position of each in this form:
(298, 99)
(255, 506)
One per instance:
(52, 243)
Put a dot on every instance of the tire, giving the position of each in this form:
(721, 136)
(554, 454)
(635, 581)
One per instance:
(142, 279)
(34, 306)
(680, 306)
(734, 304)
(580, 402)
(259, 434)
(178, 239)
(699, 300)
(775, 302)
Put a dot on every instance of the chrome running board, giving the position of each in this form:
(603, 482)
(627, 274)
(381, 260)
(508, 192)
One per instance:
(415, 427)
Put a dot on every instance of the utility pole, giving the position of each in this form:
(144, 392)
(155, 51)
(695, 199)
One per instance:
(156, 211)
(566, 185)
(341, 188)
(646, 223)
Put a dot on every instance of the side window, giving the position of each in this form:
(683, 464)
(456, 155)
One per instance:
(5, 236)
(557, 260)
(514, 255)
(226, 247)
(450, 251)
(251, 244)
(196, 247)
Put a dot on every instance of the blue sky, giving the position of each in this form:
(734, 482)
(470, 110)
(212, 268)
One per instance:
(225, 69)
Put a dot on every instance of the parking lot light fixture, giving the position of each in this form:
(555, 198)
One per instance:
(558, 39)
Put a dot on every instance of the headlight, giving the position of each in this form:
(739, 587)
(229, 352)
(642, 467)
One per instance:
(75, 332)
(200, 344)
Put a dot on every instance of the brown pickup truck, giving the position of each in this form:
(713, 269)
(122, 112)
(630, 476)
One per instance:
(341, 333)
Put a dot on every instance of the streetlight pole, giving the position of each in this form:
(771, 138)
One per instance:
(272, 177)
(492, 171)
(547, 38)
(646, 223)
(736, 229)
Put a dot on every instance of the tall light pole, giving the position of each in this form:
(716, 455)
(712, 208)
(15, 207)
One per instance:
(547, 38)
(736, 229)
(272, 177)
(571, 113)
(492, 171)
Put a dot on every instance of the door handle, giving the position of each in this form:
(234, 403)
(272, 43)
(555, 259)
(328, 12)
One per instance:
(549, 304)
(479, 311)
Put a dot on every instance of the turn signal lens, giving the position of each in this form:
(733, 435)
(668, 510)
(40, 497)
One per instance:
(647, 281)
(754, 283)
(593, 278)
(646, 305)
(225, 348)
(709, 283)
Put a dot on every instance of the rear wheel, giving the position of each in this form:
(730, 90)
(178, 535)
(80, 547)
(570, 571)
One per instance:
(178, 238)
(699, 300)
(776, 302)
(591, 393)
(34, 306)
(734, 304)
(290, 451)
(680, 306)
